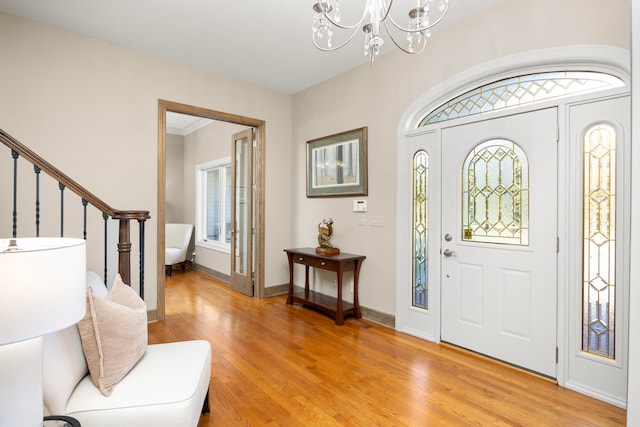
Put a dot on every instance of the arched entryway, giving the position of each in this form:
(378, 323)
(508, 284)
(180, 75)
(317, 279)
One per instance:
(491, 220)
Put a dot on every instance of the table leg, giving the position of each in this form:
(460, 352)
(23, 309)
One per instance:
(306, 282)
(290, 294)
(356, 301)
(339, 311)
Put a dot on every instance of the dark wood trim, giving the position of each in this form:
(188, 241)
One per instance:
(273, 291)
(162, 197)
(152, 316)
(384, 319)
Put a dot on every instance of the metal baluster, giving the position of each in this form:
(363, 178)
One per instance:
(37, 170)
(61, 187)
(84, 228)
(141, 224)
(15, 155)
(105, 217)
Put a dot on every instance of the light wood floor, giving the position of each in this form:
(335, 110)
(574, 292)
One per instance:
(274, 364)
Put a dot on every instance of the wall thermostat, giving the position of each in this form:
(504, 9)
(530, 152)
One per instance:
(359, 205)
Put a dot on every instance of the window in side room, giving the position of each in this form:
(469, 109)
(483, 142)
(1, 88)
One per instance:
(213, 204)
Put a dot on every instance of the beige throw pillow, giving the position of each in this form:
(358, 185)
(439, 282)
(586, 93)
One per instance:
(114, 334)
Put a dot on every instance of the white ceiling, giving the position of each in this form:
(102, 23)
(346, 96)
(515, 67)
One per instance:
(184, 124)
(267, 43)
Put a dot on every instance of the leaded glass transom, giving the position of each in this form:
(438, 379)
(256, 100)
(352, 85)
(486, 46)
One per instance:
(519, 91)
(495, 194)
(420, 228)
(599, 241)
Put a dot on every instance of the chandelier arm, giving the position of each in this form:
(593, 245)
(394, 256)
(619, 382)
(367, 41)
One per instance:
(331, 49)
(357, 25)
(388, 12)
(423, 44)
(419, 29)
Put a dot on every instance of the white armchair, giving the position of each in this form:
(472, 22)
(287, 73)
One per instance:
(176, 244)
(168, 387)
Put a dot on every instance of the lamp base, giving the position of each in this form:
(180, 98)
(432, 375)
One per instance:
(21, 384)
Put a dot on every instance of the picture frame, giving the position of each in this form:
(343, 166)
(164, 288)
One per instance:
(337, 165)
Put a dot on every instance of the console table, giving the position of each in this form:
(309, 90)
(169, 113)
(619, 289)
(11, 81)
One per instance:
(334, 307)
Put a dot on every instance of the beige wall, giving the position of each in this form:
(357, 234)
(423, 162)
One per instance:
(377, 96)
(91, 109)
(175, 190)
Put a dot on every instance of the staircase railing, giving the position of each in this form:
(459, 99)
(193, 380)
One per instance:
(64, 182)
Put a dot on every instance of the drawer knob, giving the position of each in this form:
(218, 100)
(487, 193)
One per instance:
(300, 259)
(323, 263)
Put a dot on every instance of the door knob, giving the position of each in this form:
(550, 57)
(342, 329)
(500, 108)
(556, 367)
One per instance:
(448, 253)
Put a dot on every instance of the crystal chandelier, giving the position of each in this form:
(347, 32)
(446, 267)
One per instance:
(376, 13)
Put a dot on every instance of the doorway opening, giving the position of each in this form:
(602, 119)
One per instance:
(258, 126)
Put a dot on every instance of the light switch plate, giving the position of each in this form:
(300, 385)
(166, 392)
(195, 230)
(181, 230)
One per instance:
(376, 221)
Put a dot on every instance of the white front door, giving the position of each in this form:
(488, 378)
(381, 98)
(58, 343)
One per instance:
(499, 238)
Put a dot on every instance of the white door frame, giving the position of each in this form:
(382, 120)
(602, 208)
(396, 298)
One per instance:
(606, 59)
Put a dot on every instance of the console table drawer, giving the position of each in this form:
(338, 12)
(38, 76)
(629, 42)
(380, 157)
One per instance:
(324, 264)
(300, 259)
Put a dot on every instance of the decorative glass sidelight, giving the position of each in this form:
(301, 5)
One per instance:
(599, 241)
(495, 194)
(521, 90)
(420, 228)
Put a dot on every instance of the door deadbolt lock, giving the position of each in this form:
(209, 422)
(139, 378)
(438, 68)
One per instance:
(448, 237)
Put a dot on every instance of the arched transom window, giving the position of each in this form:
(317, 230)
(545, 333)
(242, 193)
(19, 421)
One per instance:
(519, 91)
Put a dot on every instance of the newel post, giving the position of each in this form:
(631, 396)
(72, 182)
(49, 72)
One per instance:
(124, 251)
(124, 243)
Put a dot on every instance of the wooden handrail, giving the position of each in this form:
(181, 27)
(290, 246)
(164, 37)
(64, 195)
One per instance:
(124, 216)
(54, 172)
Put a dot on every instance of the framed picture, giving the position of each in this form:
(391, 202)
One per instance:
(337, 165)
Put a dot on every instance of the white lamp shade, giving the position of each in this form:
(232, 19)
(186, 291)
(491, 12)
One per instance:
(42, 287)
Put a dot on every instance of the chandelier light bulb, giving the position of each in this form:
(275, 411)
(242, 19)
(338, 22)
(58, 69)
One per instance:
(376, 14)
